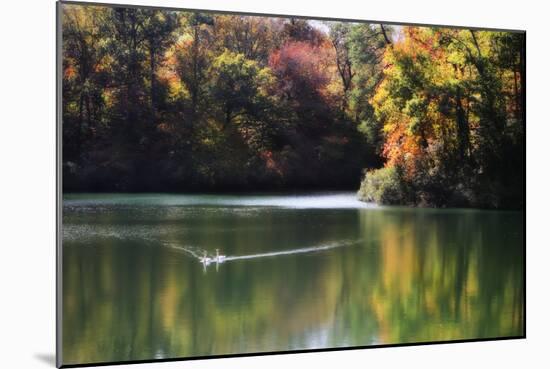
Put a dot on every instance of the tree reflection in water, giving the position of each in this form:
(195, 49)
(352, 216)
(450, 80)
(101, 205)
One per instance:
(406, 275)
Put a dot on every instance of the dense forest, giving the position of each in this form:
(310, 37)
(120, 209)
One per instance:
(159, 100)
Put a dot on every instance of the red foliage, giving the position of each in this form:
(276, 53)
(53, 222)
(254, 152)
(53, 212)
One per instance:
(270, 162)
(69, 72)
(301, 68)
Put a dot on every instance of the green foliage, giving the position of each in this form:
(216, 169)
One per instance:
(366, 47)
(239, 86)
(383, 186)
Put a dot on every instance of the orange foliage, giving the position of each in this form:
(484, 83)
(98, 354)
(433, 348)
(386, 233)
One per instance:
(69, 72)
(270, 162)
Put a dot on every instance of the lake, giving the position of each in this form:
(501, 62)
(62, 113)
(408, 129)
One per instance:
(300, 272)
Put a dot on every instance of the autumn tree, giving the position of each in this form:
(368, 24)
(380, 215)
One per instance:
(447, 127)
(158, 100)
(193, 56)
(83, 55)
(303, 78)
(240, 86)
(300, 30)
(254, 37)
(158, 27)
(367, 45)
(340, 39)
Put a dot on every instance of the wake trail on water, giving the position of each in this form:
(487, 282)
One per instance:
(286, 252)
(199, 254)
(193, 251)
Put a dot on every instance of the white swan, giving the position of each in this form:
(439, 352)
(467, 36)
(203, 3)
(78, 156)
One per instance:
(219, 258)
(205, 259)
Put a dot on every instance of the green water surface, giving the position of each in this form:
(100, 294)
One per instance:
(301, 272)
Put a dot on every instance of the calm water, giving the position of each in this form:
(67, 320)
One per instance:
(301, 272)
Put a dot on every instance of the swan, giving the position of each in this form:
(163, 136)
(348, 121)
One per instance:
(205, 259)
(219, 258)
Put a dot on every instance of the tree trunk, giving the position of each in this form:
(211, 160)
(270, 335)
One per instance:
(194, 87)
(517, 110)
(463, 128)
(227, 116)
(89, 119)
(388, 41)
(79, 129)
(153, 83)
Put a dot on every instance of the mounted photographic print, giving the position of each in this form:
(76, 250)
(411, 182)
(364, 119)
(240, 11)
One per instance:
(239, 184)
